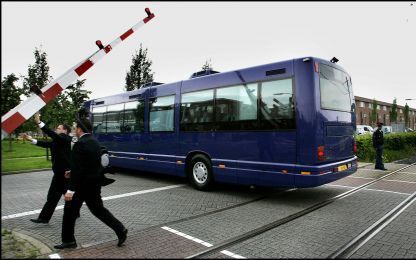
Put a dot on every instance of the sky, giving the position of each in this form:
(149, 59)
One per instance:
(374, 41)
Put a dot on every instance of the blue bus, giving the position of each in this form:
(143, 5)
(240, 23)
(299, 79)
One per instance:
(284, 124)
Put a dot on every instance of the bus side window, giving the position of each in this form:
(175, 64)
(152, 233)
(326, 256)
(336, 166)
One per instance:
(115, 118)
(98, 119)
(276, 106)
(161, 114)
(236, 107)
(197, 110)
(133, 117)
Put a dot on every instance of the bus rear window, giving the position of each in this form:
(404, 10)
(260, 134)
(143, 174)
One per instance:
(335, 88)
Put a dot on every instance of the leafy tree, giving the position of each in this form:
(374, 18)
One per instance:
(72, 100)
(406, 116)
(207, 65)
(10, 97)
(393, 111)
(37, 76)
(374, 112)
(10, 93)
(140, 71)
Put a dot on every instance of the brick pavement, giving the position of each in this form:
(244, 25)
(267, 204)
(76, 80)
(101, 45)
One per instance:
(396, 240)
(321, 232)
(140, 213)
(136, 212)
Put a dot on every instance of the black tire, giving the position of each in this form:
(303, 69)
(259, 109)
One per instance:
(199, 172)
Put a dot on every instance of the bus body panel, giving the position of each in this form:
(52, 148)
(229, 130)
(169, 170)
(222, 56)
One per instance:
(286, 158)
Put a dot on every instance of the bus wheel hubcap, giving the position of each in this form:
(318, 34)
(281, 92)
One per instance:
(200, 172)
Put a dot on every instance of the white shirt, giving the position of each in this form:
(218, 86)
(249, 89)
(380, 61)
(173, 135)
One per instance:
(41, 124)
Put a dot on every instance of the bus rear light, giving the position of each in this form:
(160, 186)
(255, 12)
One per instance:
(316, 67)
(321, 153)
(355, 147)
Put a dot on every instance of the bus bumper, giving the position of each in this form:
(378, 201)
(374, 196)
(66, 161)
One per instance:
(326, 174)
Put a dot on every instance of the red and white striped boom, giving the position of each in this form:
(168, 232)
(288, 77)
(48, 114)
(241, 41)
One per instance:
(18, 115)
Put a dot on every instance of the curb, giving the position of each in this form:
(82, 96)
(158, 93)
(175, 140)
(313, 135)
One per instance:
(26, 171)
(44, 249)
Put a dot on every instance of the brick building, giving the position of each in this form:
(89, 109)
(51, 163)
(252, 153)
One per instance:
(364, 108)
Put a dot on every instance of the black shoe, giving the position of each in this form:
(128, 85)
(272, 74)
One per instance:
(66, 245)
(122, 238)
(39, 220)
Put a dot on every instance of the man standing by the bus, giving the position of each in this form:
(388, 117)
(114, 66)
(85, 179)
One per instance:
(378, 141)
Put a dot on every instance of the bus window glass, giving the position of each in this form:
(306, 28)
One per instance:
(134, 116)
(236, 107)
(335, 88)
(161, 114)
(276, 105)
(114, 118)
(197, 110)
(98, 119)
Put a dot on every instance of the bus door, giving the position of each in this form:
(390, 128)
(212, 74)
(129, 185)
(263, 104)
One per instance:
(162, 130)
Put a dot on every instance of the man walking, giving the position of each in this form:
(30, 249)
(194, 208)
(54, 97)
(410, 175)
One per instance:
(60, 153)
(378, 141)
(85, 185)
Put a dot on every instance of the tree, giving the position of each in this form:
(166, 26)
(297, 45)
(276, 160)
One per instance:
(10, 93)
(72, 100)
(207, 65)
(393, 111)
(37, 76)
(10, 97)
(140, 71)
(406, 116)
(374, 112)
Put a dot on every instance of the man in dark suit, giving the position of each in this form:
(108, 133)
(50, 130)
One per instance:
(378, 141)
(60, 153)
(85, 185)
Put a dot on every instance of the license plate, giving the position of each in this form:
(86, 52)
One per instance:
(342, 168)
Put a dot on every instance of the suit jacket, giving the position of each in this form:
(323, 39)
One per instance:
(86, 169)
(60, 150)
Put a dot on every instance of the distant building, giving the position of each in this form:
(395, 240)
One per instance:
(363, 108)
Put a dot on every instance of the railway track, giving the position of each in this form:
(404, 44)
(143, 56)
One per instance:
(343, 252)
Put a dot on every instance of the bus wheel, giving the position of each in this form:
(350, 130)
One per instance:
(200, 172)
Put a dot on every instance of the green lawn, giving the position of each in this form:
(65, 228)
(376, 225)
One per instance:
(25, 164)
(23, 150)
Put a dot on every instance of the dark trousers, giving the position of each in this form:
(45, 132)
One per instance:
(56, 190)
(379, 157)
(91, 194)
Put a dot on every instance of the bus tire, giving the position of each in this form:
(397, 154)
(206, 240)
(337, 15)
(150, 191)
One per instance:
(200, 173)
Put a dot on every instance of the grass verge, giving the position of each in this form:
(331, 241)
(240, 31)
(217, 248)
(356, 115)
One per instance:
(25, 164)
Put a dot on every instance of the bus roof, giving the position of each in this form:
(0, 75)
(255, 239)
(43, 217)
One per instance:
(245, 75)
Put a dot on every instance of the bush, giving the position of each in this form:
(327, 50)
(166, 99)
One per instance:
(396, 146)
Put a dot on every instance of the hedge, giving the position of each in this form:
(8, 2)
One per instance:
(396, 146)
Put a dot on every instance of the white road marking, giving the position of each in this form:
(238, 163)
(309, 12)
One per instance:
(199, 241)
(55, 256)
(105, 198)
(356, 177)
(351, 187)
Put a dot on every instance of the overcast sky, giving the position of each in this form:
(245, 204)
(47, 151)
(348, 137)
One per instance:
(374, 41)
